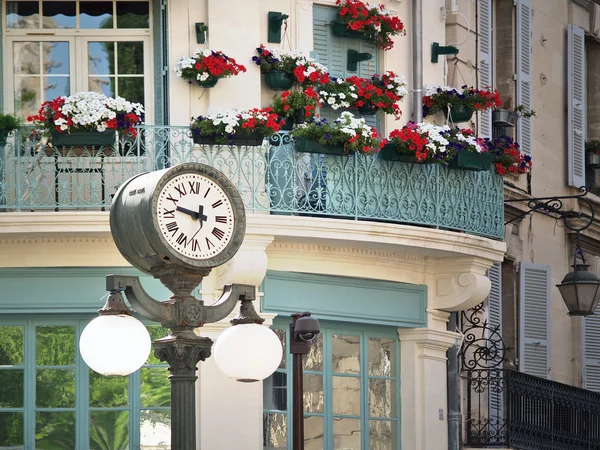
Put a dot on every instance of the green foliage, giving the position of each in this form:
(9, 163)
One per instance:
(295, 104)
(109, 430)
(593, 146)
(9, 122)
(522, 112)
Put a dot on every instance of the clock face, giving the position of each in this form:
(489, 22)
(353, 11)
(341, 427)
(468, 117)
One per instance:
(195, 216)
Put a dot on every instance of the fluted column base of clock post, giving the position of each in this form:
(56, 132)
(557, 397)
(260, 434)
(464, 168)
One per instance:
(183, 350)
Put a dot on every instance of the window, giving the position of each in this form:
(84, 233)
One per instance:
(50, 399)
(62, 47)
(351, 392)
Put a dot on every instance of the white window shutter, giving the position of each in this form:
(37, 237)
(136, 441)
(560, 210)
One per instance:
(494, 307)
(576, 107)
(534, 319)
(524, 86)
(485, 62)
(591, 354)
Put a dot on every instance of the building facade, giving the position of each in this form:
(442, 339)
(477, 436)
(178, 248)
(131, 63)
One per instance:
(382, 253)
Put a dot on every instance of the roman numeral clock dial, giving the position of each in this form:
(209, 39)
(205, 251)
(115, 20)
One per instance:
(195, 216)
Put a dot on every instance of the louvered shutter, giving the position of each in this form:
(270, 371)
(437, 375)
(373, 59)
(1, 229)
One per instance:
(494, 307)
(591, 363)
(332, 52)
(576, 94)
(485, 64)
(534, 323)
(524, 94)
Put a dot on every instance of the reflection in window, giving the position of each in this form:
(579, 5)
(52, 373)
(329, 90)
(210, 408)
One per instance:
(22, 15)
(133, 15)
(95, 15)
(59, 15)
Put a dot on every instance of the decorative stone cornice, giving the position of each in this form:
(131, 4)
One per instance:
(458, 292)
(432, 344)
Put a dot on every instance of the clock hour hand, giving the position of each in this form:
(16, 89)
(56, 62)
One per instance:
(189, 212)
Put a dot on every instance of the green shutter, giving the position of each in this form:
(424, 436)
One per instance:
(331, 51)
(534, 319)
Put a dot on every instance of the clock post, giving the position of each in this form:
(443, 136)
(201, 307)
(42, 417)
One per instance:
(197, 199)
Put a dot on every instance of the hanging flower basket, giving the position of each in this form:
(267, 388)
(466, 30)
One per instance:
(340, 29)
(278, 80)
(210, 82)
(458, 113)
(473, 160)
(305, 145)
(504, 118)
(389, 152)
(248, 139)
(367, 110)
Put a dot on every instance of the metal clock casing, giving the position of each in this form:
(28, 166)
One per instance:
(153, 234)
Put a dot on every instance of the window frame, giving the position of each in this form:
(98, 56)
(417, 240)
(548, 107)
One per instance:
(328, 328)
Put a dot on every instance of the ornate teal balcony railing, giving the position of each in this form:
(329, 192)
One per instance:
(272, 179)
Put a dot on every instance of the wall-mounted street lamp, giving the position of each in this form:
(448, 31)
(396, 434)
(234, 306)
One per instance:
(177, 224)
(303, 330)
(580, 289)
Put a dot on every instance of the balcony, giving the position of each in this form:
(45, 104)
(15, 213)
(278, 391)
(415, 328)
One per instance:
(514, 410)
(271, 178)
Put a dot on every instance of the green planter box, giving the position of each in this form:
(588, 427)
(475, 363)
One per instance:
(278, 80)
(472, 161)
(249, 139)
(84, 138)
(304, 145)
(339, 29)
(210, 82)
(459, 113)
(389, 153)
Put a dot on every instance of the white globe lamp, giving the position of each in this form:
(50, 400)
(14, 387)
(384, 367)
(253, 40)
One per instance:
(115, 344)
(248, 352)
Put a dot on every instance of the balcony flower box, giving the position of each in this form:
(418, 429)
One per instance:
(84, 138)
(247, 139)
(389, 152)
(473, 160)
(306, 145)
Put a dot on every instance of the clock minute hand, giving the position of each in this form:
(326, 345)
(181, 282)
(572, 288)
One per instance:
(189, 212)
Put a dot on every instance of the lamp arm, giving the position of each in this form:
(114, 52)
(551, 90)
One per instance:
(137, 297)
(226, 303)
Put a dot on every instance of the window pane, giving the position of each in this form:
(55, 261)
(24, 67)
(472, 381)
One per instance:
(56, 58)
(56, 87)
(11, 388)
(382, 398)
(313, 433)
(346, 396)
(156, 388)
(55, 388)
(132, 89)
(313, 393)
(104, 85)
(11, 346)
(11, 430)
(55, 346)
(382, 435)
(58, 14)
(275, 392)
(27, 95)
(346, 353)
(314, 359)
(109, 430)
(101, 58)
(108, 392)
(26, 58)
(382, 357)
(275, 431)
(346, 434)
(130, 57)
(54, 430)
(155, 430)
(281, 335)
(156, 332)
(22, 15)
(133, 15)
(96, 15)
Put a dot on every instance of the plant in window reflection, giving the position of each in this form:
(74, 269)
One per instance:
(222, 126)
(207, 66)
(349, 132)
(305, 70)
(439, 98)
(373, 22)
(508, 157)
(88, 111)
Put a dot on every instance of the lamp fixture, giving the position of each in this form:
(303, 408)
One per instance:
(580, 289)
